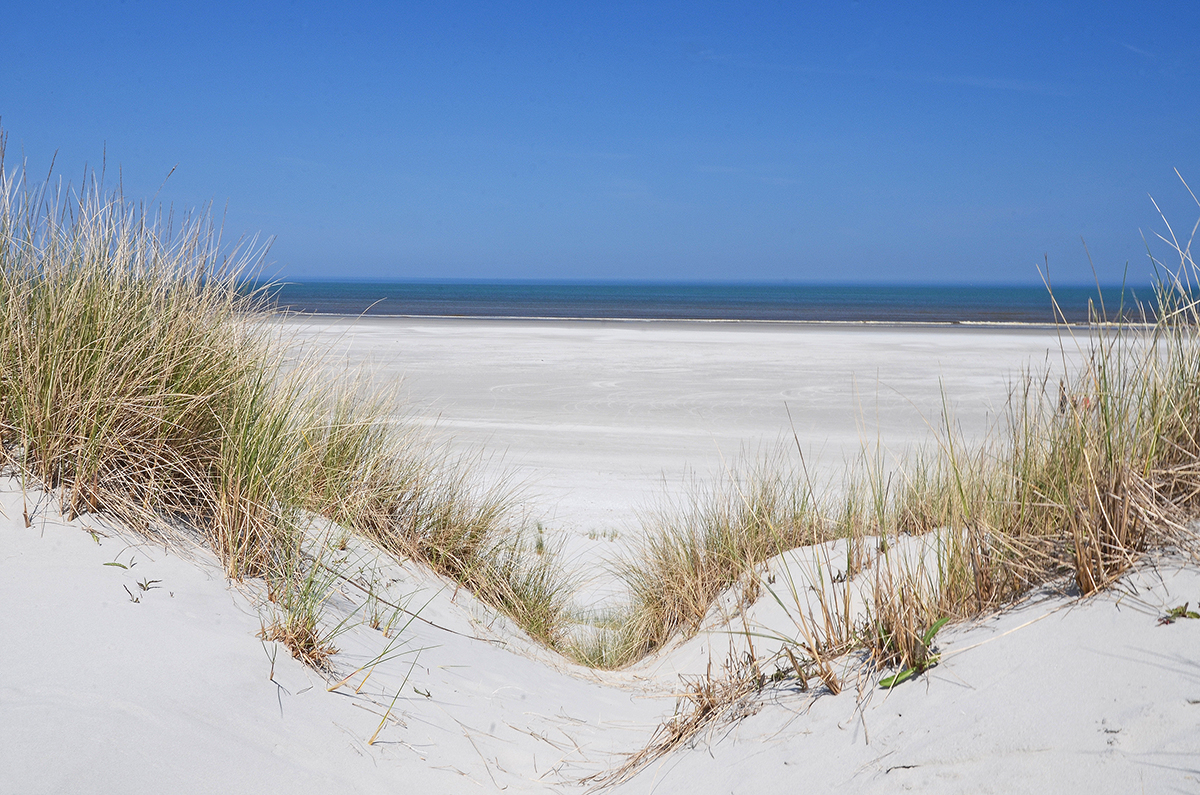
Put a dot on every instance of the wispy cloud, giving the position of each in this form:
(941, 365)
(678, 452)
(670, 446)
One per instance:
(1137, 50)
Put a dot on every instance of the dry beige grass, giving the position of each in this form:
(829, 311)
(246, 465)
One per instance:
(705, 702)
(696, 550)
(139, 377)
(1092, 468)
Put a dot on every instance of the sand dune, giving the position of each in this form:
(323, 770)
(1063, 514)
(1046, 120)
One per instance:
(176, 693)
(149, 676)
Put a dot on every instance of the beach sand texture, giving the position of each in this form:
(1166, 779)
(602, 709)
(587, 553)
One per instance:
(174, 691)
(598, 420)
(597, 417)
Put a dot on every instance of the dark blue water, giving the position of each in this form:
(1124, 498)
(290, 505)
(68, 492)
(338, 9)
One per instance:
(830, 303)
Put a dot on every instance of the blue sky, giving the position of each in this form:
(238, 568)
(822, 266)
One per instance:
(774, 142)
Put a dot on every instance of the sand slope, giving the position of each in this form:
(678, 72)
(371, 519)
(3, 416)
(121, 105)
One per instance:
(1060, 695)
(175, 693)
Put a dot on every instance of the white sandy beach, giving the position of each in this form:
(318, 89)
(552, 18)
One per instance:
(175, 693)
(111, 686)
(597, 417)
(601, 420)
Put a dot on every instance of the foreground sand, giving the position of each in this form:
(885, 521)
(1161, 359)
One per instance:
(174, 692)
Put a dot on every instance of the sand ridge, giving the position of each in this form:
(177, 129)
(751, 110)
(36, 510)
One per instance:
(150, 676)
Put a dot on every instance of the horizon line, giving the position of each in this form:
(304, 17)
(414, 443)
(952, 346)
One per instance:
(588, 282)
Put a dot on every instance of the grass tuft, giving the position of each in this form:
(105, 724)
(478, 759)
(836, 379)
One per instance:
(693, 552)
(141, 377)
(1091, 468)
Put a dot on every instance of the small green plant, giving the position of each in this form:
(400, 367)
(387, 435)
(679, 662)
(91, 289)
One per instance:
(921, 665)
(1176, 613)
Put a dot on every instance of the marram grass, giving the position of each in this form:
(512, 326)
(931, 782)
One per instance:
(1089, 473)
(1092, 468)
(140, 378)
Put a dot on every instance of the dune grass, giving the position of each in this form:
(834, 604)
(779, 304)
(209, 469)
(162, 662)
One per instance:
(1088, 472)
(141, 378)
(703, 545)
(1091, 468)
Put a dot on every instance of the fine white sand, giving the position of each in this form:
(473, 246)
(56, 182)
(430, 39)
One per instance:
(174, 692)
(600, 420)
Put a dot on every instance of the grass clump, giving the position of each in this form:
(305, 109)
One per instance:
(523, 579)
(130, 382)
(1089, 470)
(695, 551)
(140, 377)
(298, 592)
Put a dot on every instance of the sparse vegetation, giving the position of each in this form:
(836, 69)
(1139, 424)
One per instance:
(1176, 613)
(139, 377)
(694, 551)
(705, 701)
(1089, 472)
(1080, 483)
(298, 595)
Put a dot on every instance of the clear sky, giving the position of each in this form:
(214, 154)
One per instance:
(775, 142)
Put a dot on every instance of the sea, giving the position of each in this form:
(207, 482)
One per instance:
(812, 303)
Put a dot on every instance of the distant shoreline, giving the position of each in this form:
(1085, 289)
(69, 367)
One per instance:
(822, 305)
(964, 325)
